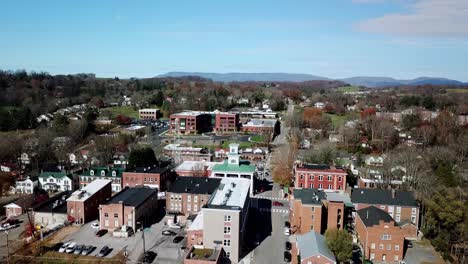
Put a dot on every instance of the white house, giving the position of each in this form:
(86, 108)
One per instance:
(319, 105)
(26, 185)
(57, 181)
(374, 160)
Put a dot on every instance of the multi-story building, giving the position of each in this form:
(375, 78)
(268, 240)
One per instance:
(233, 167)
(27, 185)
(181, 153)
(149, 113)
(195, 168)
(58, 181)
(187, 195)
(225, 217)
(400, 205)
(107, 173)
(307, 211)
(83, 205)
(129, 207)
(154, 177)
(271, 126)
(380, 237)
(311, 247)
(192, 122)
(226, 122)
(322, 177)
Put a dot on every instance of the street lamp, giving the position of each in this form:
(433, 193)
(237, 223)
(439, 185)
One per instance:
(8, 248)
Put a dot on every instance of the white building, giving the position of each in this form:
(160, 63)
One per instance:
(319, 105)
(26, 185)
(57, 181)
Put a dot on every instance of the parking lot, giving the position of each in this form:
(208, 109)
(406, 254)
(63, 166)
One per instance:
(422, 252)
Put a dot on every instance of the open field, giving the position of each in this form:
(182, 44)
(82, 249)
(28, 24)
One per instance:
(121, 110)
(457, 90)
(258, 138)
(348, 89)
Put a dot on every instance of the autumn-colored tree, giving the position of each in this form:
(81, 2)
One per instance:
(367, 112)
(123, 120)
(312, 117)
(446, 127)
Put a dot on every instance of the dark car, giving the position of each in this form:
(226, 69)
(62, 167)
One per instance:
(149, 257)
(101, 232)
(410, 244)
(287, 245)
(168, 233)
(78, 249)
(287, 224)
(177, 239)
(103, 252)
(287, 256)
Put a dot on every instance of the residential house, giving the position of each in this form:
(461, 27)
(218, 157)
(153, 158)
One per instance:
(374, 160)
(83, 205)
(26, 185)
(128, 208)
(152, 176)
(234, 167)
(380, 237)
(13, 210)
(311, 247)
(187, 195)
(53, 181)
(322, 177)
(320, 105)
(400, 205)
(107, 173)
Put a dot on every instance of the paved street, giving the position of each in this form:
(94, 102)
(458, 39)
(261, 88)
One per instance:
(14, 241)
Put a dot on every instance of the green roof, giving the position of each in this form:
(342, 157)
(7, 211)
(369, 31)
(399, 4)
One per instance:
(55, 174)
(107, 172)
(242, 167)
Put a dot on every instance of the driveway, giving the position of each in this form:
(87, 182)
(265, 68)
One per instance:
(422, 252)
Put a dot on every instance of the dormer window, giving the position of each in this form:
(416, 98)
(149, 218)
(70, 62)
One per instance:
(91, 172)
(114, 173)
(103, 173)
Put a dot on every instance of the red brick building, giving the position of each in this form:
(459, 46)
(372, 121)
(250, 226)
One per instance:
(380, 237)
(322, 177)
(308, 211)
(226, 122)
(83, 205)
(153, 177)
(128, 207)
(193, 122)
(400, 205)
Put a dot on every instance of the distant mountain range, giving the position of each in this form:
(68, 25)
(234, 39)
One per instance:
(297, 77)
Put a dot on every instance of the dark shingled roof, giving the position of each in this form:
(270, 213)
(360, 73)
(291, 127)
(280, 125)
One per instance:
(315, 166)
(48, 206)
(309, 196)
(372, 215)
(134, 196)
(378, 196)
(196, 185)
(154, 169)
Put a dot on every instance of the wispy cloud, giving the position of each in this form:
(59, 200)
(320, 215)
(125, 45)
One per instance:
(425, 18)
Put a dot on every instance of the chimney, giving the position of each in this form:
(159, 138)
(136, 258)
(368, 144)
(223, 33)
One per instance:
(393, 193)
(367, 214)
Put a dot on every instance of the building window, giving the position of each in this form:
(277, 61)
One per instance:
(91, 173)
(116, 215)
(330, 178)
(413, 219)
(389, 246)
(320, 178)
(150, 179)
(320, 186)
(195, 198)
(105, 214)
(114, 173)
(145, 179)
(381, 246)
(329, 186)
(227, 218)
(227, 230)
(397, 247)
(372, 256)
(413, 210)
(386, 237)
(313, 217)
(189, 198)
(398, 209)
(311, 177)
(311, 185)
(300, 185)
(313, 209)
(228, 254)
(396, 258)
(301, 176)
(227, 242)
(397, 218)
(373, 246)
(103, 173)
(340, 179)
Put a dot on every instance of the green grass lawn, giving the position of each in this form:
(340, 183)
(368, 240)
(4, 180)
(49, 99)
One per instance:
(241, 144)
(122, 110)
(258, 138)
(338, 120)
(348, 89)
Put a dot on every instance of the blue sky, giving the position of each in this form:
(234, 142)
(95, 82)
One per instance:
(331, 38)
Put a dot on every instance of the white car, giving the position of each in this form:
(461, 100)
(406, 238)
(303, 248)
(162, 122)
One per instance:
(176, 226)
(286, 231)
(95, 226)
(64, 247)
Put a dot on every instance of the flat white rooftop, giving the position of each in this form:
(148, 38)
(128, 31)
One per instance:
(197, 223)
(232, 192)
(89, 190)
(192, 165)
(149, 110)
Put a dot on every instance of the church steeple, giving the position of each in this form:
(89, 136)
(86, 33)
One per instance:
(233, 155)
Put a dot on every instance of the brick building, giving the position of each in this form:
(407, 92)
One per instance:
(192, 122)
(187, 195)
(272, 126)
(226, 122)
(307, 211)
(195, 168)
(131, 205)
(185, 153)
(154, 177)
(322, 177)
(311, 247)
(106, 173)
(83, 205)
(149, 113)
(380, 237)
(400, 205)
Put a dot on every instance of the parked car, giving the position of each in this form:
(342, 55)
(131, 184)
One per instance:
(149, 257)
(287, 232)
(101, 232)
(168, 233)
(63, 247)
(87, 250)
(287, 224)
(287, 245)
(78, 250)
(95, 226)
(71, 247)
(410, 244)
(177, 239)
(287, 256)
(276, 203)
(103, 252)
(175, 226)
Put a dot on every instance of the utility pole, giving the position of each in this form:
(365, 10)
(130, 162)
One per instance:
(8, 247)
